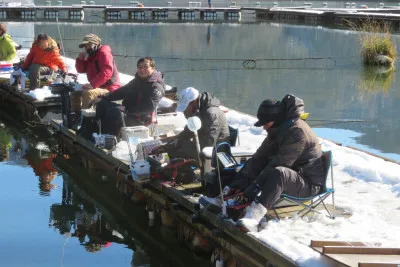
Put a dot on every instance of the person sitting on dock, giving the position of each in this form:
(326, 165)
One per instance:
(98, 63)
(140, 98)
(43, 59)
(288, 161)
(7, 48)
(214, 127)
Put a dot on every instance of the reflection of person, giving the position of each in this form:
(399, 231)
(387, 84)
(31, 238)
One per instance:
(43, 58)
(214, 128)
(43, 168)
(7, 48)
(98, 63)
(288, 161)
(140, 98)
(45, 181)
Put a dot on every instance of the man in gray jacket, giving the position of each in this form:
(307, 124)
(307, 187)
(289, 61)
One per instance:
(214, 127)
(288, 161)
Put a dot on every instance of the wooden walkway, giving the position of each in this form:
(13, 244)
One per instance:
(105, 13)
(358, 254)
(183, 204)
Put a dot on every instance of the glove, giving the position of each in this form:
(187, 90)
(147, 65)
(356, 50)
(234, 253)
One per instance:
(240, 184)
(252, 191)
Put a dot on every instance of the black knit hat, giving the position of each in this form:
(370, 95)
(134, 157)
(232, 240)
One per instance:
(269, 110)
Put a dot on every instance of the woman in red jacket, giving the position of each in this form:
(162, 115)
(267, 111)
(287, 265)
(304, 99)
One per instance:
(43, 59)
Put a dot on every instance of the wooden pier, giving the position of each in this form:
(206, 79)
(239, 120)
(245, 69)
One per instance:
(132, 14)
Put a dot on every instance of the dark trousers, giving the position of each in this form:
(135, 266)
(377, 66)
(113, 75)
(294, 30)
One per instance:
(35, 72)
(281, 180)
(111, 115)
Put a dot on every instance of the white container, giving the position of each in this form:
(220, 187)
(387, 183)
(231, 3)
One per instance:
(141, 170)
(168, 122)
(140, 132)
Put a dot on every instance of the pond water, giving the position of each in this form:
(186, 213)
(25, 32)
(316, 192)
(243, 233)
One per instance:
(47, 220)
(50, 219)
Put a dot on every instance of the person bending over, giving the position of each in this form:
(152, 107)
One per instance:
(214, 127)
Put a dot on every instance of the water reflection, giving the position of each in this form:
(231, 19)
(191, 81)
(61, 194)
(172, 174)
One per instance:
(41, 162)
(5, 143)
(78, 216)
(376, 78)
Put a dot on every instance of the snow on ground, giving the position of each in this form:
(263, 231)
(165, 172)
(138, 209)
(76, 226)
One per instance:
(367, 194)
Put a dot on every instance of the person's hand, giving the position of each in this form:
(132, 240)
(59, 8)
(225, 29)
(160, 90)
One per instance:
(82, 55)
(252, 191)
(87, 86)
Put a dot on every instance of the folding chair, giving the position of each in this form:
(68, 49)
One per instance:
(309, 204)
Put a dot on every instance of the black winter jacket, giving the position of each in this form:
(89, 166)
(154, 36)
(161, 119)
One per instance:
(140, 96)
(214, 127)
(292, 144)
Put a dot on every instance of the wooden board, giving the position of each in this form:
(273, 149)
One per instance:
(358, 253)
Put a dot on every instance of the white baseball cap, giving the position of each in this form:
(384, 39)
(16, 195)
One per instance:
(186, 96)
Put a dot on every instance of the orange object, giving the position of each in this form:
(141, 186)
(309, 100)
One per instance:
(140, 5)
(49, 57)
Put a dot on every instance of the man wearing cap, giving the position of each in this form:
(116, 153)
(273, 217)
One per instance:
(98, 63)
(288, 161)
(214, 127)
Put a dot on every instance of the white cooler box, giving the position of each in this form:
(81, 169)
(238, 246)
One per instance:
(168, 122)
(140, 132)
(241, 155)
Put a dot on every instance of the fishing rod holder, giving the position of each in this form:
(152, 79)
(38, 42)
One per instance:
(63, 85)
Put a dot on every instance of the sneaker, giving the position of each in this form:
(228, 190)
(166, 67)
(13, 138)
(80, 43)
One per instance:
(252, 218)
(213, 204)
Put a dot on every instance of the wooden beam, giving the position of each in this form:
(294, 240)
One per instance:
(378, 264)
(360, 250)
(323, 243)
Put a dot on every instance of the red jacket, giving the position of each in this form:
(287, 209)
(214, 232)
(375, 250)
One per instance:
(49, 57)
(100, 69)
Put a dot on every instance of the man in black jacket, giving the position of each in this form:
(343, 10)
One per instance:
(288, 161)
(140, 98)
(214, 127)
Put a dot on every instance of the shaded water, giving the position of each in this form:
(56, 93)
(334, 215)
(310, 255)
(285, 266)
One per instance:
(321, 65)
(50, 219)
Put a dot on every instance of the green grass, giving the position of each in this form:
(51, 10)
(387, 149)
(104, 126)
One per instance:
(375, 39)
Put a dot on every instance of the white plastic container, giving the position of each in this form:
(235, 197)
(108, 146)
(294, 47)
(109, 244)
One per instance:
(140, 132)
(169, 122)
(140, 170)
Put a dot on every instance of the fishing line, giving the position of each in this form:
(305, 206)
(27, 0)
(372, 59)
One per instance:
(336, 122)
(61, 40)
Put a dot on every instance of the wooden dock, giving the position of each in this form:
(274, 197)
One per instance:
(181, 203)
(132, 14)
